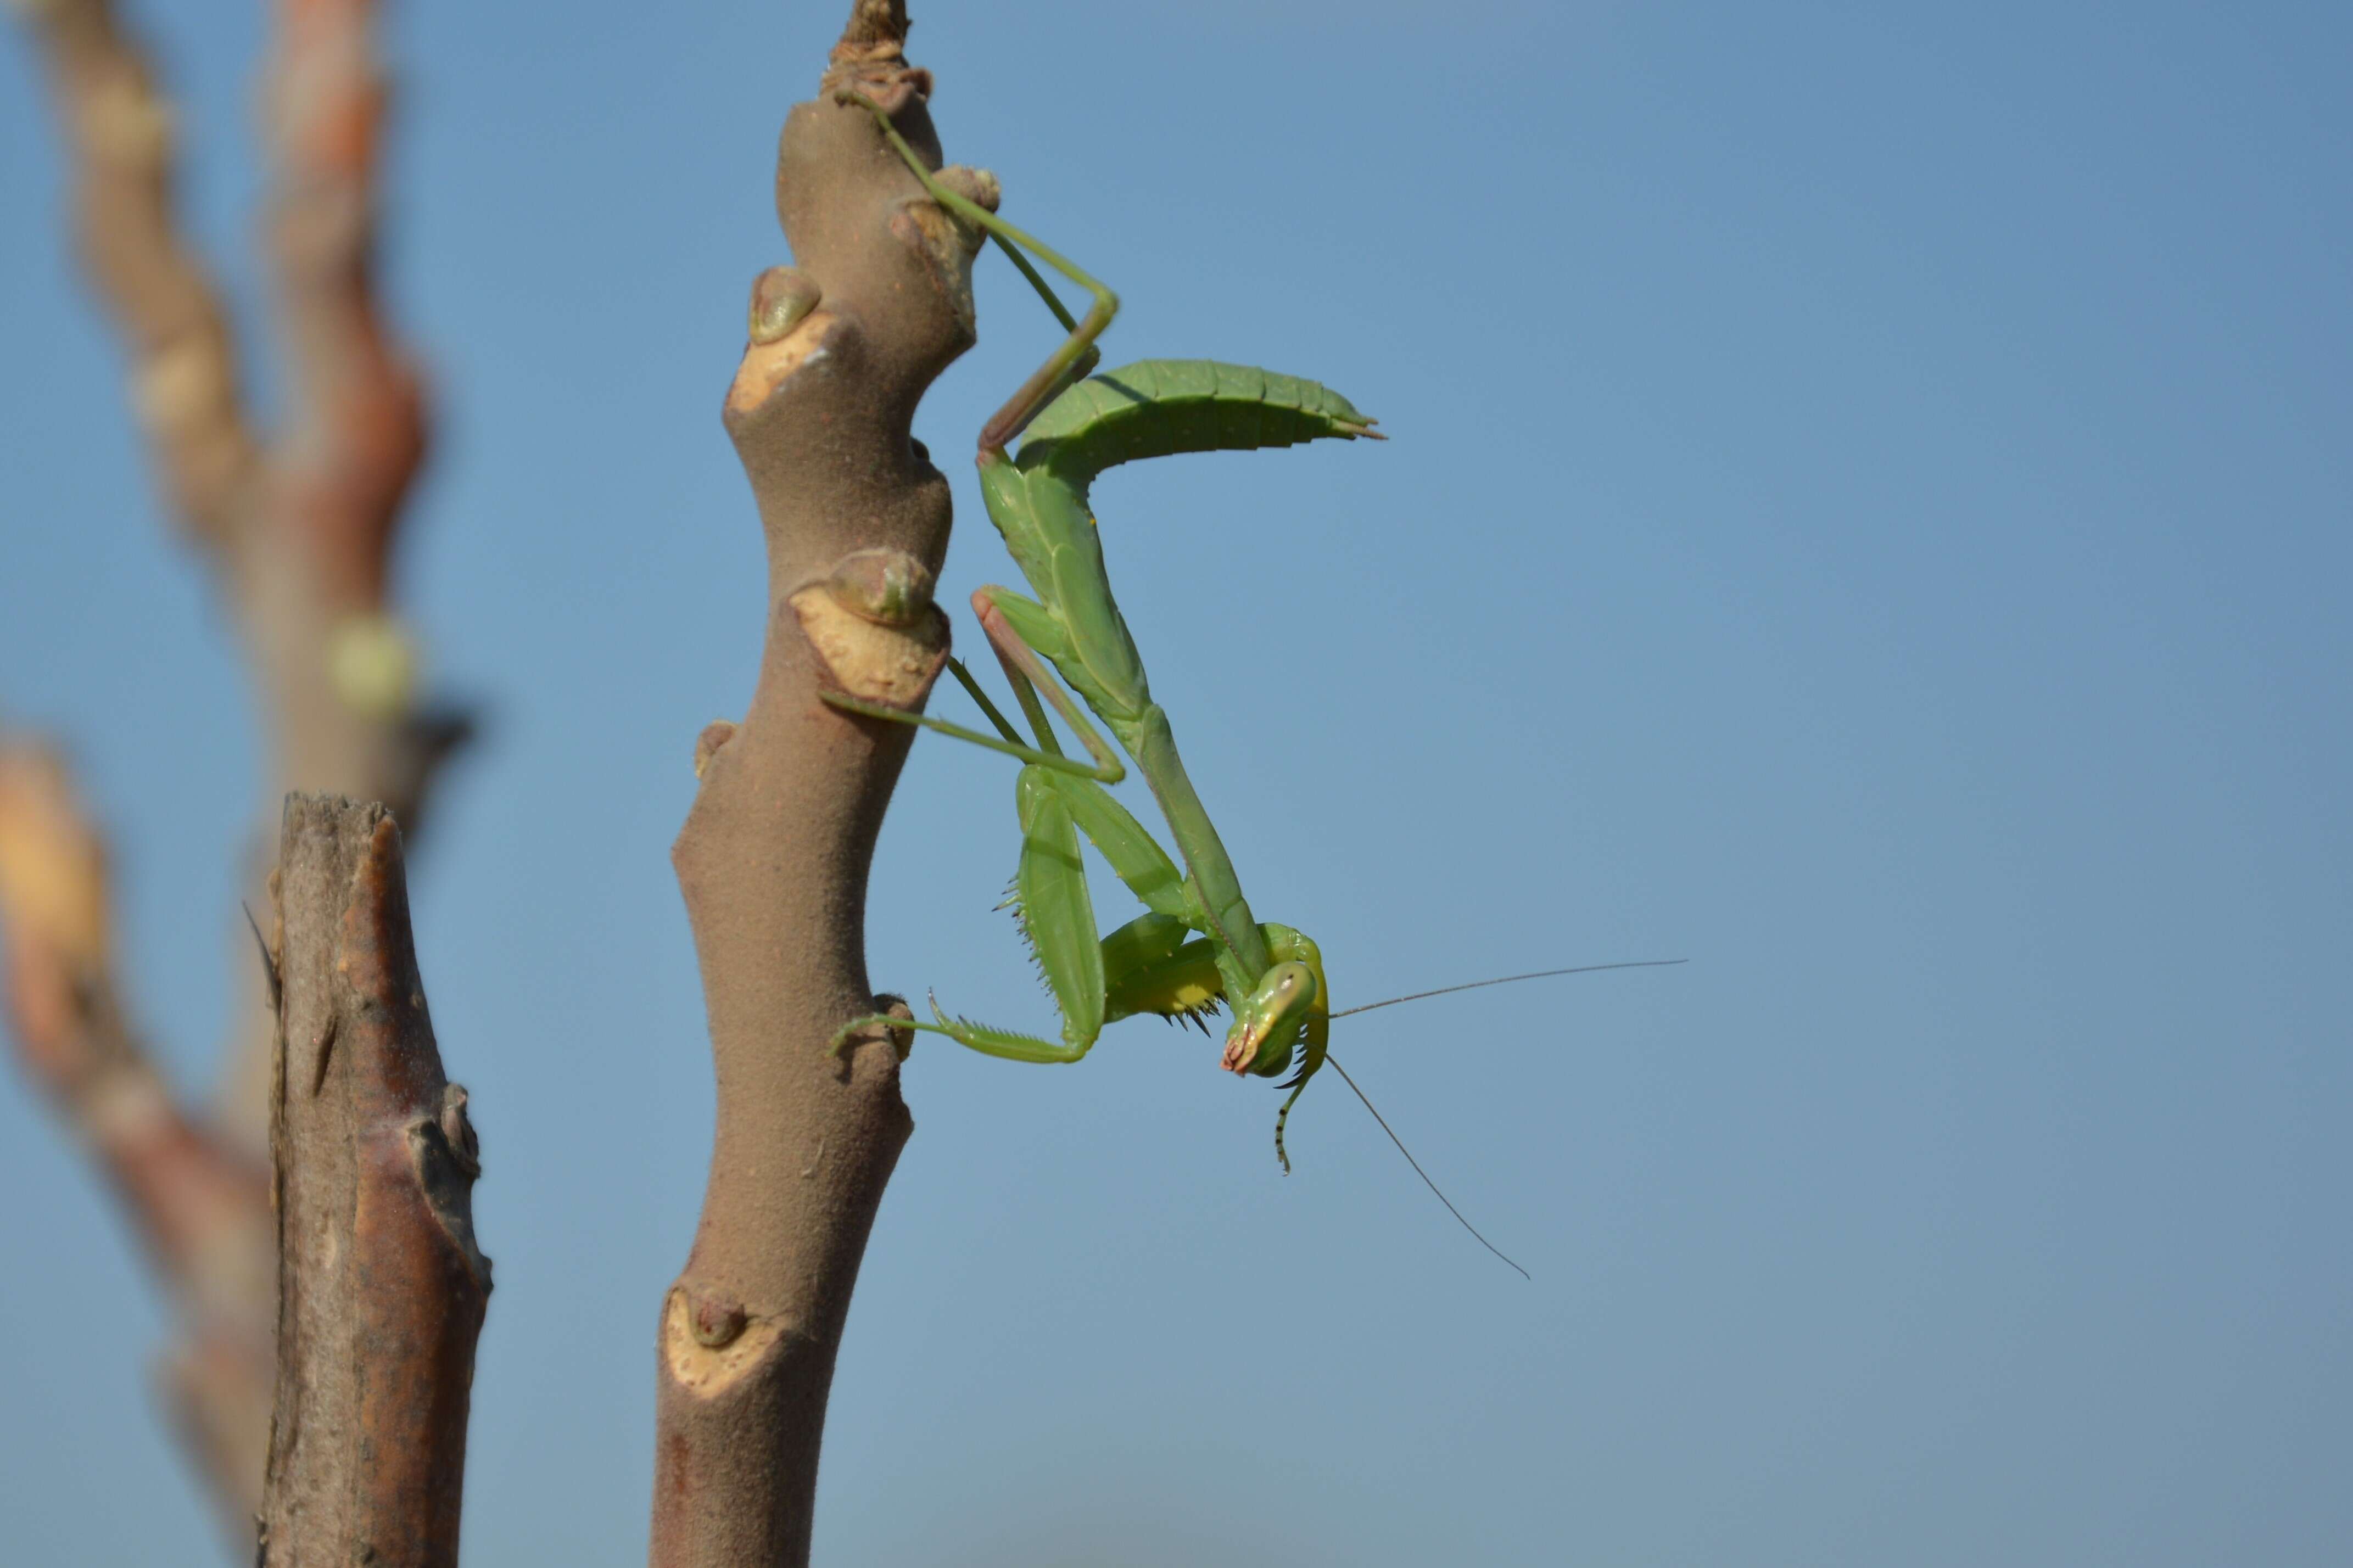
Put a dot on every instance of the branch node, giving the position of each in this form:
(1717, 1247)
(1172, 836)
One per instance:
(719, 1318)
(445, 1170)
(715, 734)
(704, 1370)
(124, 121)
(769, 363)
(903, 1041)
(780, 297)
(892, 662)
(372, 664)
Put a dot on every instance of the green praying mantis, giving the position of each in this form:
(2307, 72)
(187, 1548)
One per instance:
(1197, 944)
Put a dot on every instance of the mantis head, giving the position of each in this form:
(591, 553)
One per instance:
(1268, 1023)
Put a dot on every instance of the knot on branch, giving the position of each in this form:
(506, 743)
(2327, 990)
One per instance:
(715, 734)
(781, 298)
(946, 241)
(787, 331)
(874, 628)
(712, 1342)
(52, 863)
(372, 665)
(893, 1005)
(124, 121)
(448, 1159)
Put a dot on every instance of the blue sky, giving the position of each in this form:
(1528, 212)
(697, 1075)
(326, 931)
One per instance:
(1867, 511)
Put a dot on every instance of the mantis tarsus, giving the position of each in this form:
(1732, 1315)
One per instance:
(1199, 945)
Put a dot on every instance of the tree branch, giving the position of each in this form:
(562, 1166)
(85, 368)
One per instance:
(310, 563)
(357, 434)
(119, 133)
(381, 1287)
(201, 1207)
(773, 856)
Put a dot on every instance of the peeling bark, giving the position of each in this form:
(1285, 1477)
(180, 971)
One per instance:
(381, 1286)
(773, 856)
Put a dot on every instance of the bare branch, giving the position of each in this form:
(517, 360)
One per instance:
(381, 1287)
(201, 1208)
(119, 131)
(357, 434)
(773, 856)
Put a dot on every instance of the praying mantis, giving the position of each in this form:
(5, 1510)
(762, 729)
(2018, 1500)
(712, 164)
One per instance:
(1197, 944)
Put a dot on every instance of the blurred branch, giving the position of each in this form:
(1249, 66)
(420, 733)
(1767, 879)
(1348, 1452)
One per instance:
(201, 1208)
(309, 564)
(119, 133)
(357, 428)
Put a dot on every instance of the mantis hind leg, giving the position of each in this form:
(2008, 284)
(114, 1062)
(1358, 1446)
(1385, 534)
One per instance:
(1077, 355)
(990, 1042)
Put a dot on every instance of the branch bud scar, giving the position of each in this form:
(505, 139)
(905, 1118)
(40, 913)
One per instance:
(715, 734)
(781, 296)
(888, 587)
(464, 1147)
(872, 623)
(978, 186)
(717, 1318)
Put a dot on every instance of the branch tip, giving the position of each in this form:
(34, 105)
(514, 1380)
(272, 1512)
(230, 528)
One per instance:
(874, 22)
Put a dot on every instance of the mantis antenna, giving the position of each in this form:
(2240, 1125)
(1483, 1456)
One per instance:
(1508, 979)
(1333, 1062)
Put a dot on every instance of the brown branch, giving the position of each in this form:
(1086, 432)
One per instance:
(381, 1287)
(773, 856)
(201, 1207)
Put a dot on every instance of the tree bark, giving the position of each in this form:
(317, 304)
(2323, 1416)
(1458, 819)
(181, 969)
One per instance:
(381, 1287)
(773, 856)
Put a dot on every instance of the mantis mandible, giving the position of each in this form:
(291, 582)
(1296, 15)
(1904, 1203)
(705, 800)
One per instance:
(1197, 944)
